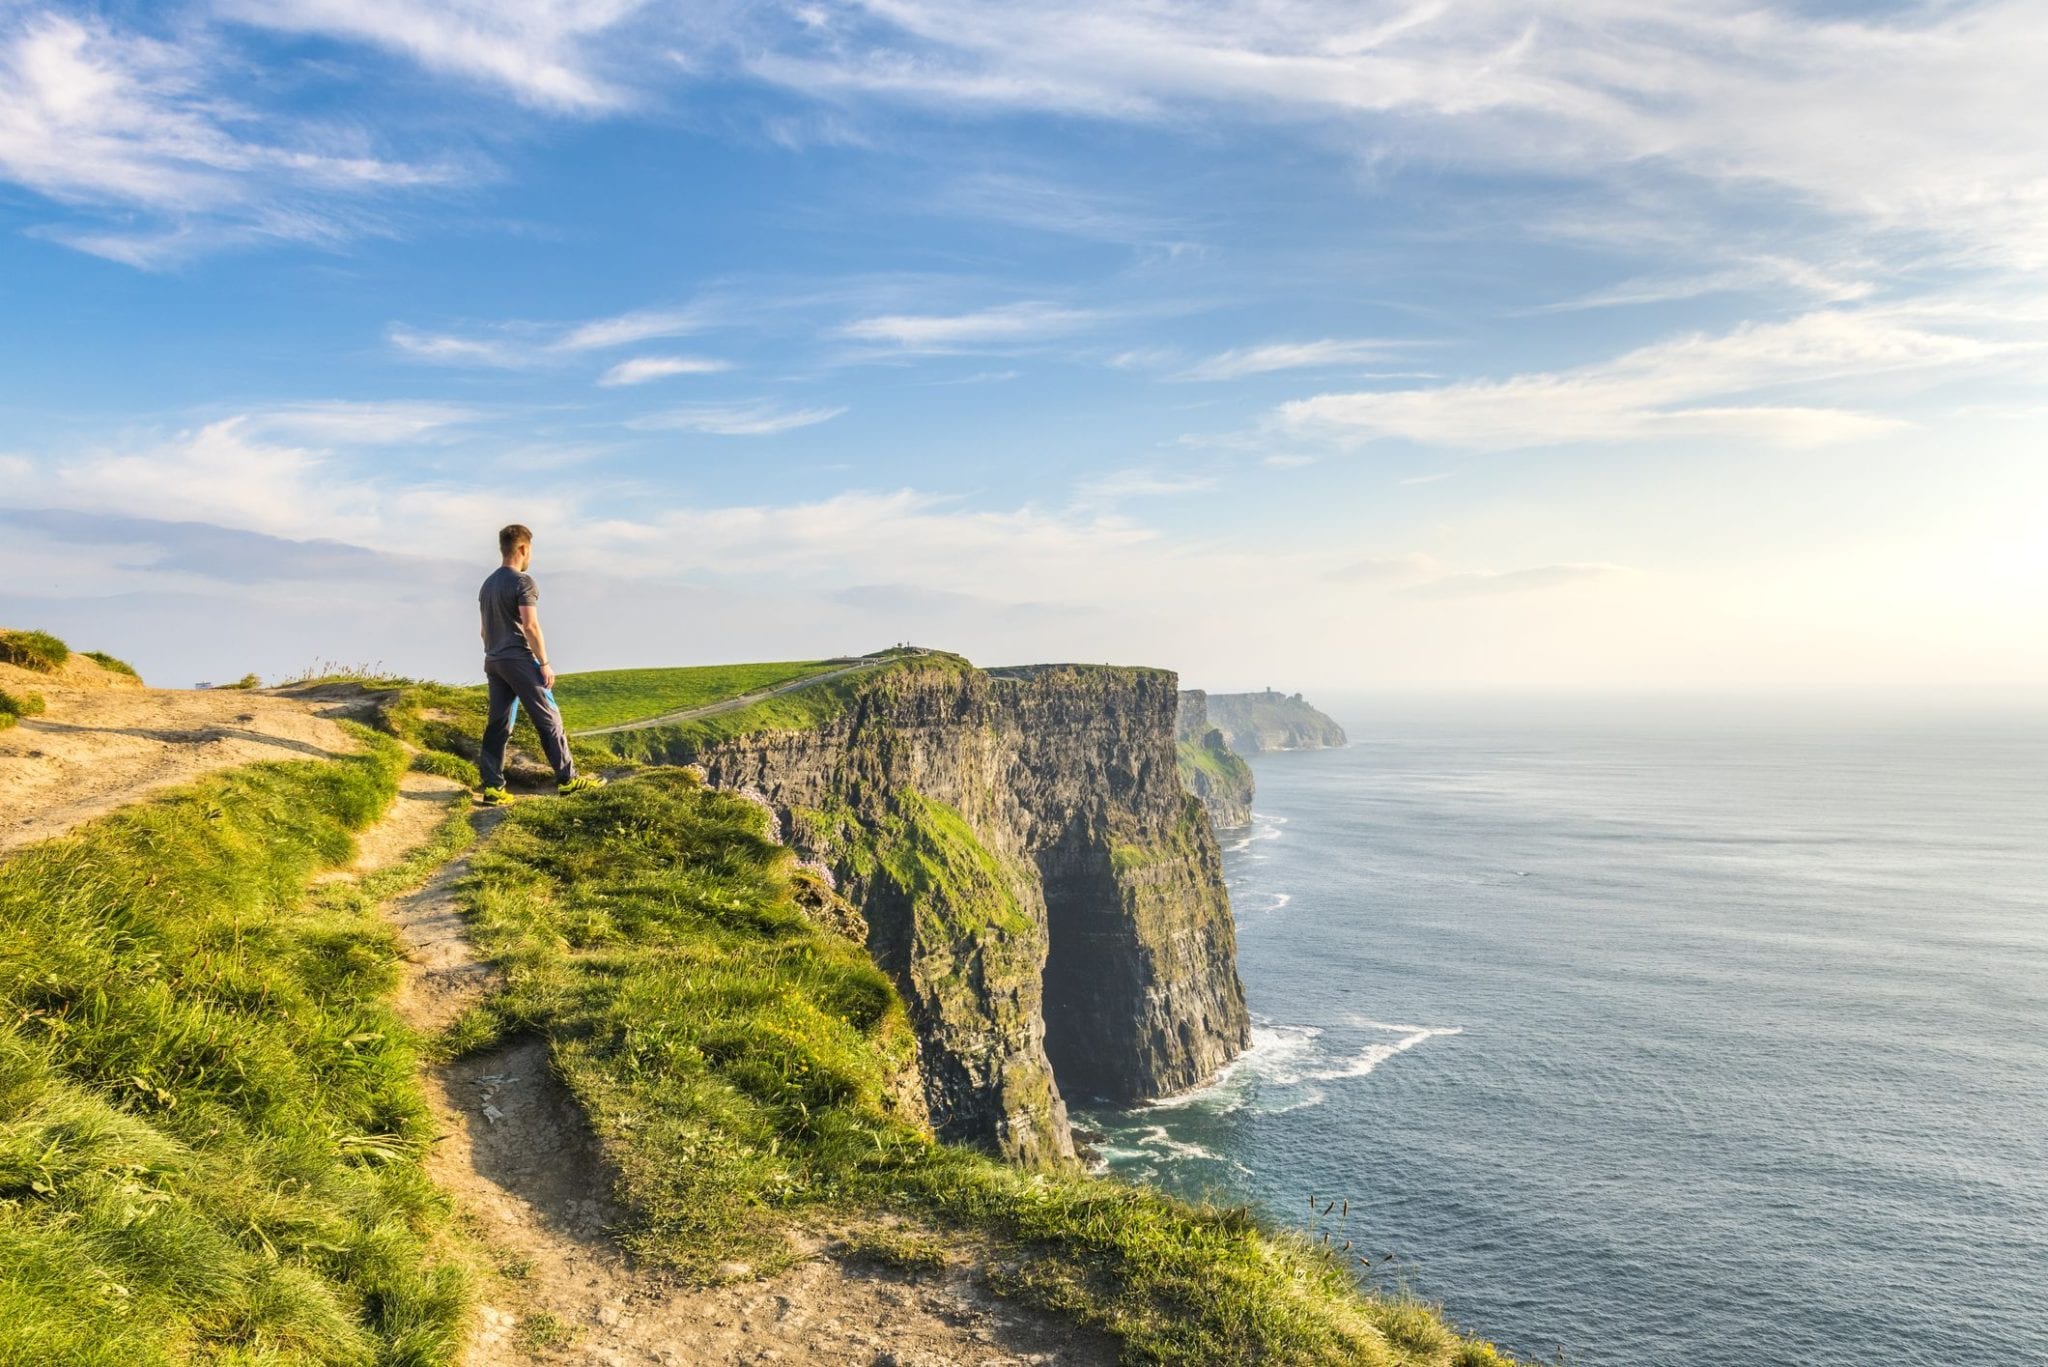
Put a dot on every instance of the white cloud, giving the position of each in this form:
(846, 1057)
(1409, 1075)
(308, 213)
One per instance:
(641, 325)
(447, 349)
(233, 473)
(540, 51)
(1115, 486)
(347, 423)
(1263, 360)
(641, 369)
(108, 121)
(1768, 275)
(515, 345)
(734, 420)
(1689, 386)
(944, 332)
(1921, 118)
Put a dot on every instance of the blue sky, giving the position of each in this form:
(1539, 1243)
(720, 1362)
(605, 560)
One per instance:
(1640, 345)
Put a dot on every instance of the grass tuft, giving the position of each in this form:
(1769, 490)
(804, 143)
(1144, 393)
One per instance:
(37, 650)
(15, 706)
(109, 662)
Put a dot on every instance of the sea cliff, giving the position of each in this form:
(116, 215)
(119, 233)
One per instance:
(1256, 722)
(1034, 877)
(1210, 769)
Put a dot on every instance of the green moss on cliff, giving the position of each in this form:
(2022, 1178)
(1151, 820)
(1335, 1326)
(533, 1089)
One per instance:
(1223, 767)
(956, 886)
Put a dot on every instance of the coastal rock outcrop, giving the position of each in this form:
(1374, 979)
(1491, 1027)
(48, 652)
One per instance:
(1210, 769)
(1256, 722)
(1033, 875)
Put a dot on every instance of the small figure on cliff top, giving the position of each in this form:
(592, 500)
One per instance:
(517, 670)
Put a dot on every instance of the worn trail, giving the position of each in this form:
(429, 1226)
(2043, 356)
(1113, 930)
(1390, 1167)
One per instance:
(531, 1186)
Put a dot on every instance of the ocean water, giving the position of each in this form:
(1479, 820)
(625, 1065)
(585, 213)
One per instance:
(1651, 1036)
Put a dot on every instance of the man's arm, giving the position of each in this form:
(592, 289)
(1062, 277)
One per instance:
(529, 626)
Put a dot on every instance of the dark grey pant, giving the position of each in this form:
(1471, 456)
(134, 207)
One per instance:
(513, 682)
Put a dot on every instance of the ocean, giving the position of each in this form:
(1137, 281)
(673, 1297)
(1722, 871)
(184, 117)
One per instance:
(1640, 1034)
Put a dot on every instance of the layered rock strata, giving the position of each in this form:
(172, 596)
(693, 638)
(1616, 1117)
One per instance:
(1047, 896)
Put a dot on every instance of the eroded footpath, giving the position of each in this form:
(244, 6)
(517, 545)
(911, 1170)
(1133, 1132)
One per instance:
(531, 1189)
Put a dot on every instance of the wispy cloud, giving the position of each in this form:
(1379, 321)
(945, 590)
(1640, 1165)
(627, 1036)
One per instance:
(1044, 205)
(641, 325)
(1770, 275)
(1263, 360)
(351, 423)
(516, 345)
(734, 420)
(931, 332)
(543, 54)
(641, 369)
(1116, 486)
(107, 121)
(1918, 119)
(1689, 386)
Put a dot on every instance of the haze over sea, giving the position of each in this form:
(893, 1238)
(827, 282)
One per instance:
(1712, 1035)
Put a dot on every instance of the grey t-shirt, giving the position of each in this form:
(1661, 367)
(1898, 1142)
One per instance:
(500, 599)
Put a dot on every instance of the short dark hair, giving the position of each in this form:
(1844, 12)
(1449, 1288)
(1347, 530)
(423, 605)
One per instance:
(512, 538)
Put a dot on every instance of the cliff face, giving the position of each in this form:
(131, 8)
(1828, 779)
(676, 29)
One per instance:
(1046, 895)
(1253, 722)
(1209, 768)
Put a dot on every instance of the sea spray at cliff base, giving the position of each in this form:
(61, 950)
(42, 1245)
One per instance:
(1711, 1038)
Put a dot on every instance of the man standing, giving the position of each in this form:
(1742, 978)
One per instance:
(517, 670)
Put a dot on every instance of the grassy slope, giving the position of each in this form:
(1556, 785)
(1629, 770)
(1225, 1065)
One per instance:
(450, 719)
(735, 1057)
(611, 696)
(210, 1123)
(802, 710)
(1228, 770)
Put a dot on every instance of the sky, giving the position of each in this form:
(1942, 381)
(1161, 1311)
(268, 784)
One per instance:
(1659, 345)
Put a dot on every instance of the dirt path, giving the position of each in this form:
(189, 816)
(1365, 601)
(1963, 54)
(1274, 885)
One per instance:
(712, 709)
(98, 748)
(531, 1186)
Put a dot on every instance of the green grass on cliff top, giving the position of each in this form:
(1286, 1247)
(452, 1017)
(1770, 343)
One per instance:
(211, 1125)
(608, 697)
(739, 1061)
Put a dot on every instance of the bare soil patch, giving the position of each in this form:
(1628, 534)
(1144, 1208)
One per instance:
(533, 1187)
(104, 745)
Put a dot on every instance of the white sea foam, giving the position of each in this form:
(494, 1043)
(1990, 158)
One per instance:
(1263, 828)
(1373, 1055)
(1273, 1047)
